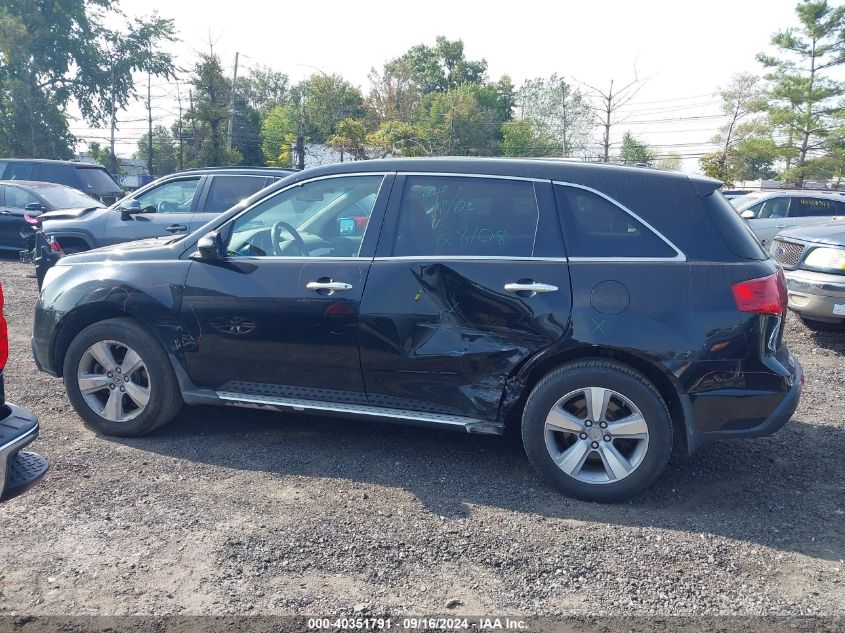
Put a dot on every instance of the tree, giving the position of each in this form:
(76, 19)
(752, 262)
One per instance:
(326, 100)
(394, 94)
(606, 106)
(398, 138)
(803, 98)
(440, 67)
(672, 162)
(350, 139)
(280, 128)
(559, 112)
(165, 154)
(635, 152)
(457, 124)
(210, 114)
(263, 88)
(521, 138)
(57, 52)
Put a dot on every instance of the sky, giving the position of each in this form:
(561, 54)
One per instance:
(682, 50)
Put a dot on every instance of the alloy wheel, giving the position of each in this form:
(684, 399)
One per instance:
(114, 381)
(596, 435)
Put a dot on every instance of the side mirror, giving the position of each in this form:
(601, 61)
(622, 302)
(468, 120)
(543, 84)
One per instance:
(748, 214)
(129, 207)
(209, 247)
(34, 207)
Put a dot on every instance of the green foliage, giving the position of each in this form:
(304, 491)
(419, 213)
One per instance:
(279, 129)
(521, 138)
(263, 88)
(559, 112)
(165, 152)
(58, 52)
(438, 68)
(397, 138)
(350, 139)
(457, 124)
(635, 152)
(210, 115)
(326, 101)
(673, 162)
(804, 98)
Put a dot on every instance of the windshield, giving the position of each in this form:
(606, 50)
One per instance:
(97, 180)
(744, 201)
(66, 198)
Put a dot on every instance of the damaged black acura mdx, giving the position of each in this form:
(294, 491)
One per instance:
(608, 313)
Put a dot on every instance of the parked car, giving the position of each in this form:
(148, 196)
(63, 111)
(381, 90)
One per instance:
(173, 205)
(813, 258)
(608, 311)
(770, 212)
(732, 194)
(19, 198)
(19, 469)
(94, 180)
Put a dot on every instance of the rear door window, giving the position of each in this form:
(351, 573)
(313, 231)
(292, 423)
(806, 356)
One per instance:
(96, 180)
(594, 226)
(466, 217)
(812, 207)
(19, 171)
(227, 191)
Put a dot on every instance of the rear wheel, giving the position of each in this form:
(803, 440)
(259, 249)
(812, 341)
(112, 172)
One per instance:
(597, 430)
(119, 379)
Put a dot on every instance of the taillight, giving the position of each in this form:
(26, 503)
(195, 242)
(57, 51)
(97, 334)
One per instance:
(764, 295)
(4, 335)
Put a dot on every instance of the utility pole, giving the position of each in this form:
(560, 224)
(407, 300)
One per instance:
(112, 157)
(232, 102)
(179, 126)
(193, 124)
(149, 126)
(300, 137)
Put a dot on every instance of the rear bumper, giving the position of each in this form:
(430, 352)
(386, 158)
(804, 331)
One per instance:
(817, 295)
(773, 422)
(18, 428)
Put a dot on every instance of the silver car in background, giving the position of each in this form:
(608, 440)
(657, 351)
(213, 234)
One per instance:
(770, 212)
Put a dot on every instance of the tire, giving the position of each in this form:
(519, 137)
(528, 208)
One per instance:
(643, 440)
(116, 404)
(823, 326)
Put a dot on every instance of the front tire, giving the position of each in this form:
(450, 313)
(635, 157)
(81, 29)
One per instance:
(119, 379)
(597, 430)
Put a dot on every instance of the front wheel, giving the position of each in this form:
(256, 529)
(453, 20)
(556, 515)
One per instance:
(597, 430)
(119, 379)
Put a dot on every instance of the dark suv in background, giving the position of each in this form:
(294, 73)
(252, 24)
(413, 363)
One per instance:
(608, 313)
(95, 180)
(172, 205)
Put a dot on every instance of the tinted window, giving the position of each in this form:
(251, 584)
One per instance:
(18, 198)
(733, 228)
(96, 180)
(321, 218)
(772, 208)
(67, 198)
(19, 171)
(808, 207)
(445, 215)
(227, 191)
(171, 197)
(50, 172)
(595, 227)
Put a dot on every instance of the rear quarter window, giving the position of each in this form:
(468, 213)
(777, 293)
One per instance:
(594, 226)
(733, 229)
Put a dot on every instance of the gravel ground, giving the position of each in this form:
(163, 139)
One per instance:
(236, 511)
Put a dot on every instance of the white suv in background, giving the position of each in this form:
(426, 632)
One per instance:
(770, 212)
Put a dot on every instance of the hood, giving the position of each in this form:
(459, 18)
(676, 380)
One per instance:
(66, 214)
(155, 248)
(827, 233)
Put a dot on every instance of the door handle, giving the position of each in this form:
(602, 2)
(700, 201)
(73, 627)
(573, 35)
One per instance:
(5, 212)
(530, 287)
(331, 286)
(176, 228)
(780, 226)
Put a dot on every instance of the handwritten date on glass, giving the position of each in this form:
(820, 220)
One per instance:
(465, 236)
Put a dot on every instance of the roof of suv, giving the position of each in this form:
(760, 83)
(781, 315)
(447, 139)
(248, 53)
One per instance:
(73, 163)
(542, 168)
(235, 171)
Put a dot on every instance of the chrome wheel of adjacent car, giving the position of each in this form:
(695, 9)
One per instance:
(113, 381)
(596, 435)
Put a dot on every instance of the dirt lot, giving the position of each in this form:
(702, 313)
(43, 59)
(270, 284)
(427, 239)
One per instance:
(235, 511)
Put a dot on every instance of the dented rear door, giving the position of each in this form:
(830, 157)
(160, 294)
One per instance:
(470, 280)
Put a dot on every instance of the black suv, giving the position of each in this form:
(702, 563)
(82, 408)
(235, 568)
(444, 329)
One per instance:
(174, 204)
(95, 180)
(611, 313)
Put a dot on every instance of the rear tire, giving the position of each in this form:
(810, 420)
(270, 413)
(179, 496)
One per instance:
(823, 326)
(119, 379)
(597, 430)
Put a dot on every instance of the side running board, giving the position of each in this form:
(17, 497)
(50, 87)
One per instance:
(417, 418)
